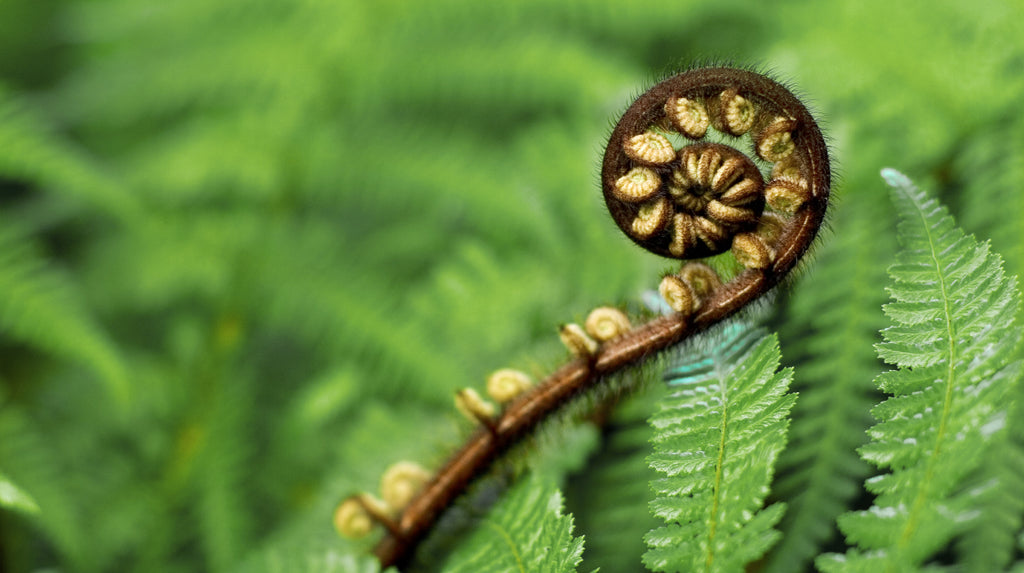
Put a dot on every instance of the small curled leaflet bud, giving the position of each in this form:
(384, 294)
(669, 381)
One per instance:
(752, 251)
(650, 147)
(351, 520)
(507, 384)
(605, 323)
(577, 341)
(473, 407)
(702, 278)
(738, 113)
(640, 184)
(786, 196)
(678, 294)
(401, 482)
(355, 517)
(789, 169)
(758, 198)
(775, 143)
(688, 116)
(756, 250)
(651, 218)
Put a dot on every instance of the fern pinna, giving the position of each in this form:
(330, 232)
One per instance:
(677, 182)
(953, 338)
(718, 435)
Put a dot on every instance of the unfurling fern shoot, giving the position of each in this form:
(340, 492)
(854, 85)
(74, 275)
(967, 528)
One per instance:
(713, 162)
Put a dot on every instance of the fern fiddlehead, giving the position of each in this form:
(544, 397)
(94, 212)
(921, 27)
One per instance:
(677, 194)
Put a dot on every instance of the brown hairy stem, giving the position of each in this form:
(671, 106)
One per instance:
(809, 162)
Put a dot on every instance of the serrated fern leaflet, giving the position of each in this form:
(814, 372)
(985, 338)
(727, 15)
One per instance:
(717, 439)
(527, 532)
(953, 338)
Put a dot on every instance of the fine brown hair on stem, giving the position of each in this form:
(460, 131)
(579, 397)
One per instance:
(682, 203)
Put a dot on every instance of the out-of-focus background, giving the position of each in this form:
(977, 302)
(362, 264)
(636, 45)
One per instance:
(249, 249)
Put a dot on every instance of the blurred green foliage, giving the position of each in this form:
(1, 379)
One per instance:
(248, 249)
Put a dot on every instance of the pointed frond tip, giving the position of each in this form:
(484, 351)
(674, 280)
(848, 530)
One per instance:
(717, 438)
(954, 339)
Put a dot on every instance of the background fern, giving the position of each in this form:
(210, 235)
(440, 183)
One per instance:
(249, 249)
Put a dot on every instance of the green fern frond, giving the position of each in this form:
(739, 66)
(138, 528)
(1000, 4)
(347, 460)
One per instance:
(717, 438)
(222, 484)
(241, 156)
(617, 475)
(174, 258)
(360, 324)
(832, 319)
(989, 544)
(189, 64)
(327, 560)
(953, 338)
(31, 151)
(1018, 567)
(987, 186)
(307, 553)
(525, 533)
(40, 307)
(31, 459)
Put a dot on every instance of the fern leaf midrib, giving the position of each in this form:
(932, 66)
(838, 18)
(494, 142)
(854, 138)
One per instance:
(922, 492)
(713, 521)
(510, 543)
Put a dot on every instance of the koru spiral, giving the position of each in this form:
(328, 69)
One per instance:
(709, 161)
(705, 198)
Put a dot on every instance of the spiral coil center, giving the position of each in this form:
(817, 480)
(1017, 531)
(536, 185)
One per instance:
(695, 201)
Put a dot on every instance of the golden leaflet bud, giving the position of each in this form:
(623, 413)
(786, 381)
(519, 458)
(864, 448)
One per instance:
(790, 169)
(506, 384)
(730, 215)
(786, 195)
(649, 147)
(469, 402)
(711, 233)
(756, 250)
(678, 295)
(751, 251)
(577, 341)
(738, 113)
(401, 482)
(689, 116)
(651, 218)
(351, 518)
(605, 323)
(701, 278)
(775, 143)
(640, 184)
(684, 234)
